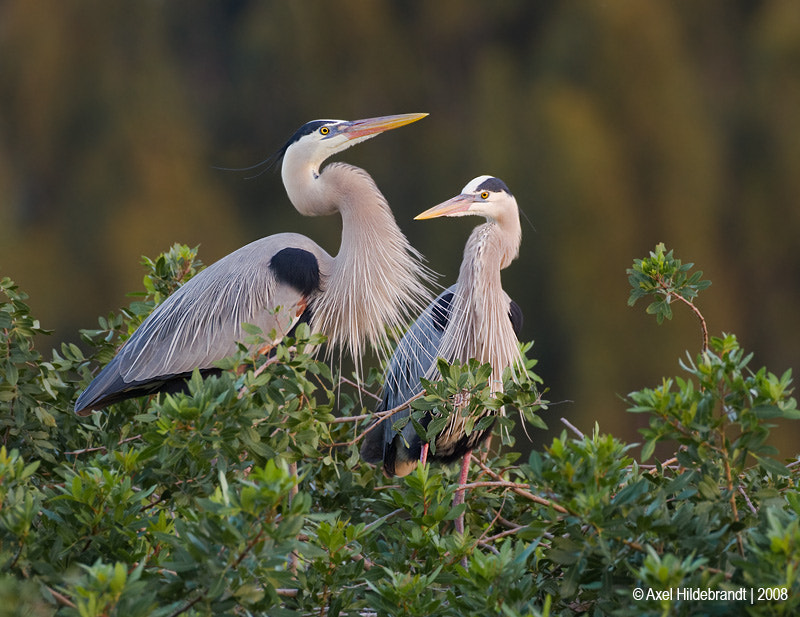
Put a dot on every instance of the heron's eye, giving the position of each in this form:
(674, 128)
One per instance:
(324, 130)
(485, 195)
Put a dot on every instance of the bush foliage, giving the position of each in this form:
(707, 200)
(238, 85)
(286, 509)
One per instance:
(246, 495)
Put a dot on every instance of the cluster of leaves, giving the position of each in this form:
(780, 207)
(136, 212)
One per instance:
(474, 399)
(245, 495)
(664, 276)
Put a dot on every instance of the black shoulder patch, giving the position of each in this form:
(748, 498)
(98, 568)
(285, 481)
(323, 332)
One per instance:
(495, 185)
(297, 268)
(515, 315)
(441, 311)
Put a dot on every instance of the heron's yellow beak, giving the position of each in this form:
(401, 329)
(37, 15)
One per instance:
(456, 206)
(373, 126)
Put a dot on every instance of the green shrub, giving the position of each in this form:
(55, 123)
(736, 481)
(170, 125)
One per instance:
(246, 494)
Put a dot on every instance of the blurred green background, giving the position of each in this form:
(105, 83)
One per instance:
(617, 125)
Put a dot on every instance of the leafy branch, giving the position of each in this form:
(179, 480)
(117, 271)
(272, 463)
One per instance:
(665, 277)
(246, 494)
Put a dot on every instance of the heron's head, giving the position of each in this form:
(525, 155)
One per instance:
(485, 196)
(489, 197)
(315, 141)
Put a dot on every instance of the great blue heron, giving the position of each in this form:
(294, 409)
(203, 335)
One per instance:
(375, 282)
(474, 318)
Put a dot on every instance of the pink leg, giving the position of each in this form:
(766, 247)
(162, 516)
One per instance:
(459, 497)
(423, 455)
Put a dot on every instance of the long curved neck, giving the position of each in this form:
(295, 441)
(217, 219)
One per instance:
(304, 185)
(377, 277)
(480, 327)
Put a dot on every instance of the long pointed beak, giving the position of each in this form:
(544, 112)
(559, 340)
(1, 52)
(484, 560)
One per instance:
(373, 126)
(455, 206)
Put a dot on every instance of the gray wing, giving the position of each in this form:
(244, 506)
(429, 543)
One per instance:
(268, 283)
(414, 358)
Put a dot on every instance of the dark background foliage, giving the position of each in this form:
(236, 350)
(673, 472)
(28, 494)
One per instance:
(616, 124)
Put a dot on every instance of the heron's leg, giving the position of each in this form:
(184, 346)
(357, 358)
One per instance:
(423, 455)
(459, 497)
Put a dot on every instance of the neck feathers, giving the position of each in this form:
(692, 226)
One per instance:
(479, 325)
(378, 280)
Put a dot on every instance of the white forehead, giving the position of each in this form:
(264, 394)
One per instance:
(473, 184)
(487, 183)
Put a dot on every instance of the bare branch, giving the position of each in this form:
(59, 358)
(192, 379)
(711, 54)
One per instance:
(344, 419)
(381, 417)
(665, 287)
(359, 387)
(747, 500)
(502, 534)
(61, 598)
(102, 448)
(518, 489)
(571, 427)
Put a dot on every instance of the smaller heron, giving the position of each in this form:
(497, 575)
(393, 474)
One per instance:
(474, 318)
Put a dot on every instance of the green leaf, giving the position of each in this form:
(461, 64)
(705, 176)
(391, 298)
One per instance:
(251, 329)
(772, 466)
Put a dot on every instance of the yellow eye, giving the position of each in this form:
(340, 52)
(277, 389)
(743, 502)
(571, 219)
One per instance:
(324, 130)
(485, 195)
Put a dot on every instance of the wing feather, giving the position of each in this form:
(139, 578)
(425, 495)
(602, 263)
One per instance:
(414, 358)
(201, 322)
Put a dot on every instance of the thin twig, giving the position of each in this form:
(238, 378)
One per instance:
(703, 327)
(256, 373)
(496, 484)
(629, 543)
(520, 491)
(292, 494)
(653, 469)
(248, 548)
(188, 605)
(16, 556)
(381, 417)
(747, 500)
(573, 428)
(359, 387)
(502, 534)
(494, 520)
(102, 448)
(506, 523)
(344, 419)
(734, 509)
(485, 545)
(61, 598)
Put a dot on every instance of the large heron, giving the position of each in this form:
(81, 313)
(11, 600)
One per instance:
(474, 318)
(376, 281)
